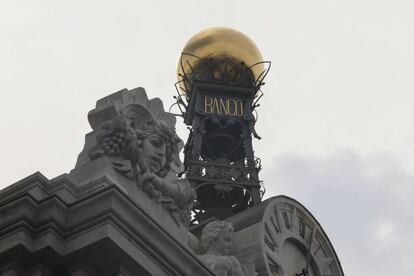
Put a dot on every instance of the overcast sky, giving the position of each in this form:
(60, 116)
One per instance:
(337, 118)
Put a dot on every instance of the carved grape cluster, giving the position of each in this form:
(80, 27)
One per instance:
(113, 144)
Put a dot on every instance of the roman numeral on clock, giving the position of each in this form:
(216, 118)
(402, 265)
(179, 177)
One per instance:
(270, 238)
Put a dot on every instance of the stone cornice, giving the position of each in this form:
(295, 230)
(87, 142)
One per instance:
(40, 214)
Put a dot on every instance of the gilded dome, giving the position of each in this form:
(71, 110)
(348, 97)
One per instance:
(221, 43)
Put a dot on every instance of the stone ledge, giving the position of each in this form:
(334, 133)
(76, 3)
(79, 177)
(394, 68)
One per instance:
(108, 214)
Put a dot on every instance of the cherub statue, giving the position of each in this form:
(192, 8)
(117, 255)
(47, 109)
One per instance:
(216, 240)
(144, 148)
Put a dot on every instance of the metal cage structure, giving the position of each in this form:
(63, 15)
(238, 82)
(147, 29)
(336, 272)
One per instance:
(217, 98)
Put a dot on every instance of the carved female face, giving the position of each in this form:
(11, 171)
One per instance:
(223, 244)
(154, 150)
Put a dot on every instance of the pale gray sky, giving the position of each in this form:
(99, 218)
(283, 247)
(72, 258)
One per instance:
(337, 116)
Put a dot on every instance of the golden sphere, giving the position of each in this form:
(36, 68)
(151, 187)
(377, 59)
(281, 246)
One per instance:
(222, 42)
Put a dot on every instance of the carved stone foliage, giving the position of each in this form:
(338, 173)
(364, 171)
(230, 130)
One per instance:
(217, 244)
(144, 148)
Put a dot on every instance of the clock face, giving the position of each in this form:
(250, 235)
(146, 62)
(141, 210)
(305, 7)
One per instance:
(293, 257)
(293, 242)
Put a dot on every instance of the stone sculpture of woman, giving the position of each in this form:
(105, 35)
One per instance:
(216, 240)
(144, 148)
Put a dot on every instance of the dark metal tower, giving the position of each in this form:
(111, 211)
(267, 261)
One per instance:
(217, 98)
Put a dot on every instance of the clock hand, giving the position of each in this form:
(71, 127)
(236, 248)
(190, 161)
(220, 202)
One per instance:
(305, 271)
(309, 251)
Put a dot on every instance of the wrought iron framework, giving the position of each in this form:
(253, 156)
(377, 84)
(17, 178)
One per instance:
(219, 159)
